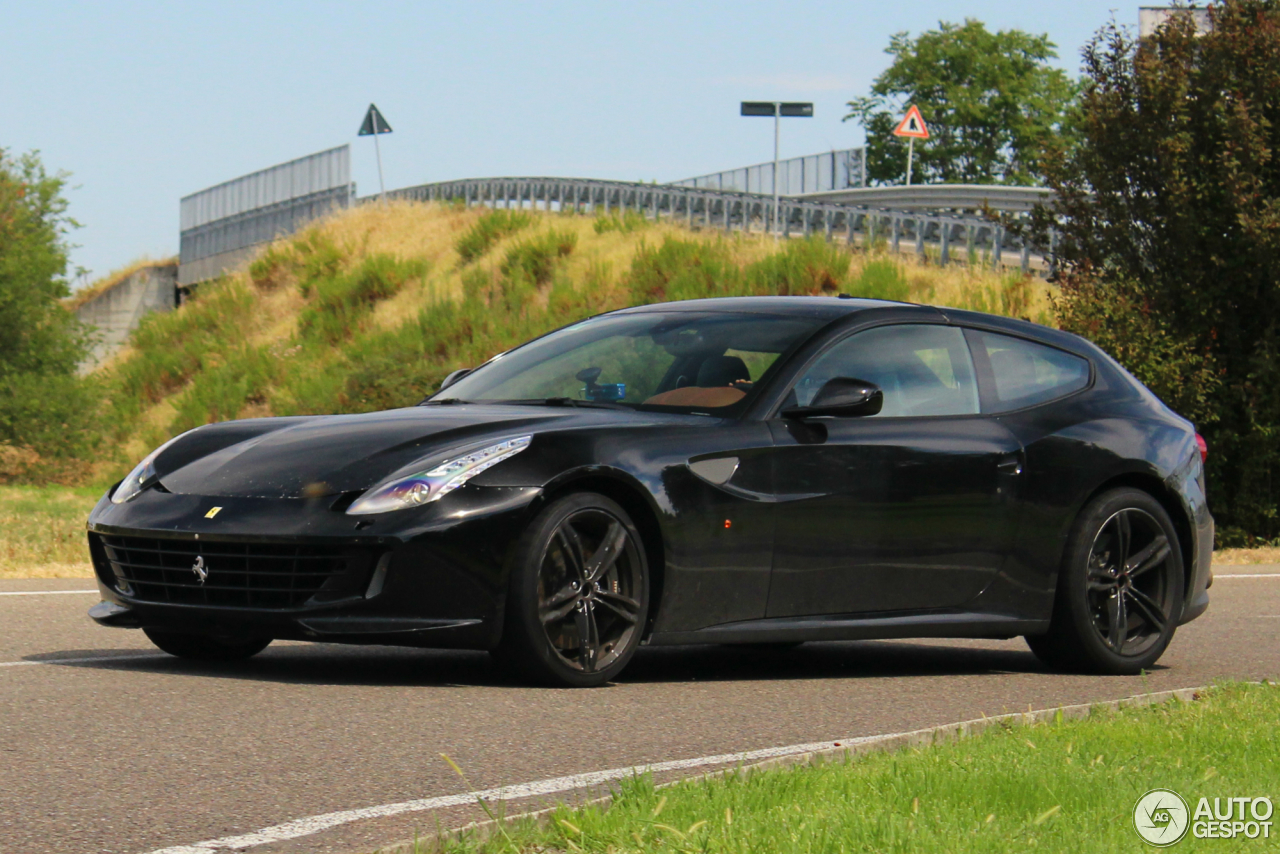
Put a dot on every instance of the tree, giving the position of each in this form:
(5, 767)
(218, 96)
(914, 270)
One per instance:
(991, 101)
(42, 403)
(1169, 211)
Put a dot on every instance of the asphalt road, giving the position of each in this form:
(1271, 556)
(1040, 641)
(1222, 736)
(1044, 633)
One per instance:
(106, 746)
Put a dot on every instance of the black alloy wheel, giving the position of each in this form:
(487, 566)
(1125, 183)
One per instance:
(579, 594)
(1121, 588)
(206, 647)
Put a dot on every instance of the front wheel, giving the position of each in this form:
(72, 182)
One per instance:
(206, 647)
(1120, 589)
(579, 594)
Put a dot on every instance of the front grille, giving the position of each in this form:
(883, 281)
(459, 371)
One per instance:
(240, 575)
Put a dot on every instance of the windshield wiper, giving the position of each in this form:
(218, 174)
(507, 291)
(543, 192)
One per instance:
(444, 401)
(571, 401)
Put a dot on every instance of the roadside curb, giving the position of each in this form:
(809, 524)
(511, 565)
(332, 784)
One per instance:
(941, 734)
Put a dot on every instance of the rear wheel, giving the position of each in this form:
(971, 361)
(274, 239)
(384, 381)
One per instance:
(579, 594)
(1120, 589)
(206, 647)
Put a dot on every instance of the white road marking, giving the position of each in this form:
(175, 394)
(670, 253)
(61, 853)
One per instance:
(43, 592)
(318, 823)
(1250, 575)
(83, 660)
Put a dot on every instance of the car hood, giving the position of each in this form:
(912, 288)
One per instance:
(316, 456)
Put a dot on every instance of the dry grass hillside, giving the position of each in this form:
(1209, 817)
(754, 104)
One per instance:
(370, 308)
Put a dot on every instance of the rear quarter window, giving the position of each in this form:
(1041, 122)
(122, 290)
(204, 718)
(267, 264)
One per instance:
(1023, 373)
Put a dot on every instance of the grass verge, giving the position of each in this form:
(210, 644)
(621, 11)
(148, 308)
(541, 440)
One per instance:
(42, 531)
(1244, 557)
(1067, 785)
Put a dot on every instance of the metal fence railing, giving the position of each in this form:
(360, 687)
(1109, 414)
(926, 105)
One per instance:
(814, 173)
(223, 225)
(978, 239)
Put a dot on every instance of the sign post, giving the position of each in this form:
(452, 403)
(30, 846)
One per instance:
(777, 109)
(373, 125)
(912, 127)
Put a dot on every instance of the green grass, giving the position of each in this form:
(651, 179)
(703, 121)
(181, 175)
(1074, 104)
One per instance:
(42, 530)
(340, 301)
(488, 230)
(1061, 786)
(624, 223)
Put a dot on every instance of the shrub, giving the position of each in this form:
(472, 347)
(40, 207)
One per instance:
(809, 266)
(222, 391)
(488, 230)
(534, 259)
(625, 223)
(681, 269)
(1169, 210)
(43, 403)
(342, 300)
(168, 348)
(881, 279)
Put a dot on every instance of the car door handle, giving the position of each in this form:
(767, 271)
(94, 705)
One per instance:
(1010, 464)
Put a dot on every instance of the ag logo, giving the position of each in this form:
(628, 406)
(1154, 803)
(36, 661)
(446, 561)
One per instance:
(1161, 817)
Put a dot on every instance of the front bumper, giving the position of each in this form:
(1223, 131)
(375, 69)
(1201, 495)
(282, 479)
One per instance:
(432, 576)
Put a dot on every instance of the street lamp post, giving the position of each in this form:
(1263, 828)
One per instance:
(777, 109)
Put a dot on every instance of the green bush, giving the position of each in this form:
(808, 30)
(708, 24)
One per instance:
(535, 258)
(881, 279)
(168, 348)
(341, 300)
(222, 390)
(1169, 211)
(682, 269)
(809, 266)
(56, 416)
(625, 223)
(44, 406)
(488, 230)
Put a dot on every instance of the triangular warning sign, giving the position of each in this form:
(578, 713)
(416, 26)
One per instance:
(912, 125)
(374, 123)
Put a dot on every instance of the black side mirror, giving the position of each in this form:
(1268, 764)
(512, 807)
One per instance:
(843, 397)
(453, 378)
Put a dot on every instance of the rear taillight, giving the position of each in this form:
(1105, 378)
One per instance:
(1204, 448)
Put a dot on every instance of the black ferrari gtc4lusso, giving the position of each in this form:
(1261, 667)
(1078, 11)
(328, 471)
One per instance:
(766, 470)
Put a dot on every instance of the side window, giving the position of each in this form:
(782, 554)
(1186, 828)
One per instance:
(1025, 373)
(922, 369)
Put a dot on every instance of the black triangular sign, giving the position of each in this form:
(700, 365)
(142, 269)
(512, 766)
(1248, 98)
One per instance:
(374, 123)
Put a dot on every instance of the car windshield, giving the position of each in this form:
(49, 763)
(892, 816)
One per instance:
(684, 360)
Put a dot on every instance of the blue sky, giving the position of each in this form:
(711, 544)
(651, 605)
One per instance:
(144, 102)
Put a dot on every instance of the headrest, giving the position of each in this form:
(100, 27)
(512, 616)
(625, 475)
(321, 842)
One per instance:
(719, 371)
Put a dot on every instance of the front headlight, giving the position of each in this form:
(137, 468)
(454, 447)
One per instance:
(424, 487)
(142, 476)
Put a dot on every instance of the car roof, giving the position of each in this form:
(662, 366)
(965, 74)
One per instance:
(830, 308)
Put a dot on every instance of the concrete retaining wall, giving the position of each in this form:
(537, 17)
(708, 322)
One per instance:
(116, 312)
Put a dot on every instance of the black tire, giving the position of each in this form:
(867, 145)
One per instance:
(206, 647)
(579, 595)
(1120, 589)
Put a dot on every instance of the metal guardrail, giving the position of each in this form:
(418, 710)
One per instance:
(797, 176)
(973, 236)
(920, 197)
